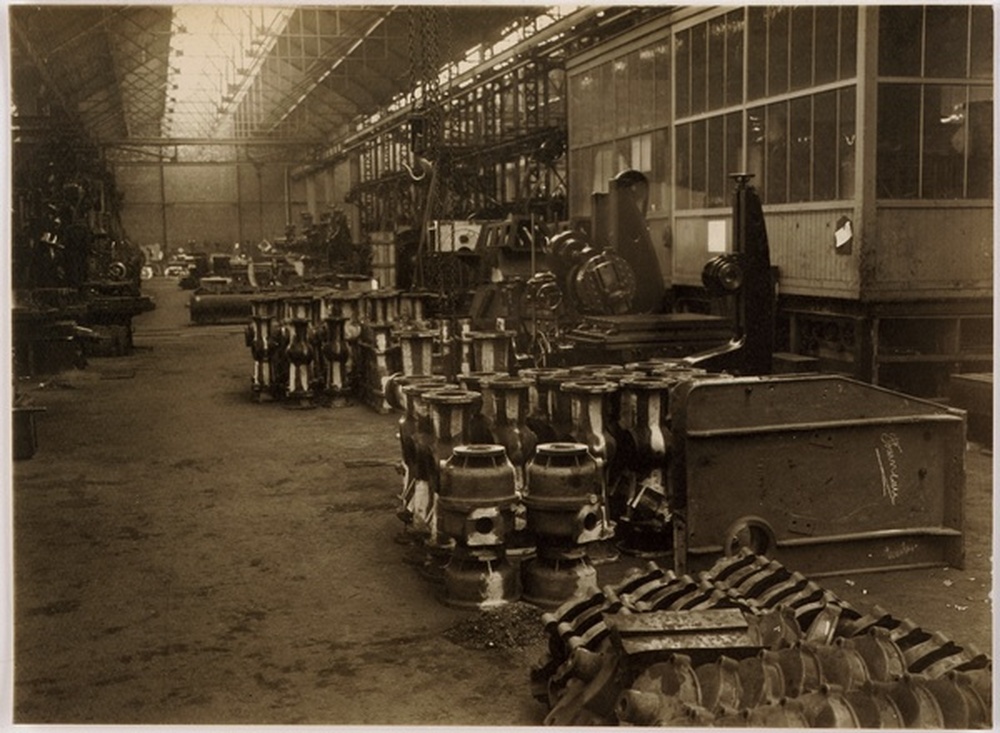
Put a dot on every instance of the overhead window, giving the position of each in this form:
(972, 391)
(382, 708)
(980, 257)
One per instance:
(935, 124)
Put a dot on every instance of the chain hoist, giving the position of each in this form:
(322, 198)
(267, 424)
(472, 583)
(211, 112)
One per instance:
(425, 120)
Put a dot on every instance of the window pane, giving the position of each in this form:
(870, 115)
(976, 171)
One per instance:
(777, 50)
(716, 62)
(640, 157)
(646, 88)
(590, 86)
(619, 81)
(627, 156)
(734, 145)
(604, 167)
(683, 143)
(776, 154)
(756, 52)
(944, 142)
(606, 112)
(698, 165)
(683, 81)
(982, 42)
(848, 42)
(825, 132)
(734, 57)
(577, 130)
(734, 152)
(980, 145)
(800, 149)
(846, 143)
(659, 178)
(716, 161)
(947, 40)
(637, 102)
(899, 39)
(699, 68)
(897, 165)
(825, 58)
(662, 62)
(802, 47)
(756, 134)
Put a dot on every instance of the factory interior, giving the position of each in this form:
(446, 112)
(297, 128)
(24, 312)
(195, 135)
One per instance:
(500, 365)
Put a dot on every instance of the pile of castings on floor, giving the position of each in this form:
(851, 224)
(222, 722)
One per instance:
(751, 644)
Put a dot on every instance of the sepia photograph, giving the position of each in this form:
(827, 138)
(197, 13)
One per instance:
(499, 365)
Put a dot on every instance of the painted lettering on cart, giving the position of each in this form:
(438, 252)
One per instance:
(889, 467)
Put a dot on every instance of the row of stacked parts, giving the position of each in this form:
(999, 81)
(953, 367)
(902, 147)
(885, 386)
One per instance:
(562, 468)
(311, 345)
(659, 649)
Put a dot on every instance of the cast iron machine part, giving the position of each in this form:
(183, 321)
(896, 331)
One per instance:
(450, 410)
(596, 280)
(333, 347)
(641, 507)
(263, 339)
(771, 463)
(346, 306)
(752, 644)
(506, 398)
(562, 497)
(483, 418)
(415, 434)
(475, 508)
(417, 350)
(592, 410)
(745, 276)
(620, 221)
(539, 417)
(299, 352)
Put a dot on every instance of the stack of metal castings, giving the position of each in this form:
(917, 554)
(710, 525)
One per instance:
(449, 412)
(561, 430)
(311, 344)
(302, 344)
(557, 507)
(398, 343)
(475, 507)
(379, 352)
(463, 480)
(641, 503)
(338, 332)
(751, 644)
(622, 414)
(298, 337)
(262, 337)
(563, 490)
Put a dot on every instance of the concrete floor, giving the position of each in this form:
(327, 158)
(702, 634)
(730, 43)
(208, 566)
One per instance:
(183, 555)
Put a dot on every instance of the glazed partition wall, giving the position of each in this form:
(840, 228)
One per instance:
(769, 90)
(807, 99)
(934, 167)
(619, 113)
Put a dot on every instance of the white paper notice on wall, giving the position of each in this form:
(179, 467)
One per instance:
(843, 235)
(717, 229)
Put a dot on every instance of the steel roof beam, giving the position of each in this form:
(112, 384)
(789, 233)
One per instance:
(316, 81)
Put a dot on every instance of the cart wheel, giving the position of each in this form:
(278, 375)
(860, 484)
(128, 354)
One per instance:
(752, 533)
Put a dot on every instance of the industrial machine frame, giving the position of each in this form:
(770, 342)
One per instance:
(785, 466)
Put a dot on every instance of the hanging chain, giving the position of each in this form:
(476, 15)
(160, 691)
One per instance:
(431, 57)
(412, 30)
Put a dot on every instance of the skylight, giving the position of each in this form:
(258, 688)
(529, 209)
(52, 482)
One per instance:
(215, 51)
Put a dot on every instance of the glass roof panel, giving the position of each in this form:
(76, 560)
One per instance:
(214, 53)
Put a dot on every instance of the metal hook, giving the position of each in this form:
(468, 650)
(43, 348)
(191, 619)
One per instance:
(425, 166)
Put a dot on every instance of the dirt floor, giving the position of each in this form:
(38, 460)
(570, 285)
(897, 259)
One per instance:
(184, 555)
